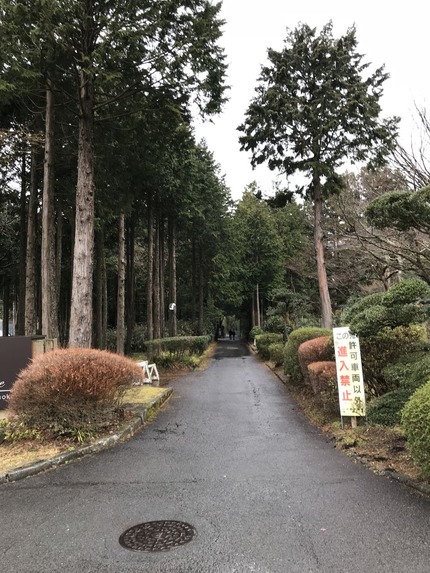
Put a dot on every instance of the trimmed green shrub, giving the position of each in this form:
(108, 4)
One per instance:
(178, 346)
(416, 424)
(275, 323)
(319, 349)
(72, 392)
(386, 410)
(403, 304)
(360, 306)
(409, 372)
(264, 341)
(377, 352)
(276, 353)
(166, 360)
(255, 331)
(295, 339)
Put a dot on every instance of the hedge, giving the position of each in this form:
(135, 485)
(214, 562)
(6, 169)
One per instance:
(177, 346)
(295, 339)
(416, 424)
(264, 341)
(72, 392)
(318, 349)
(386, 410)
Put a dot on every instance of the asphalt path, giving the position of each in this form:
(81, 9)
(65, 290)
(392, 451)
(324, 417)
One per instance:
(232, 456)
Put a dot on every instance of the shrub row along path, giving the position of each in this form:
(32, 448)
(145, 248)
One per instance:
(230, 455)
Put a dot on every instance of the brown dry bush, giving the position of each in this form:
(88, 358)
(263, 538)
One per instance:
(322, 376)
(72, 392)
(316, 350)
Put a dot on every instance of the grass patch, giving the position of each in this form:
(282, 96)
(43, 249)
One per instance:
(142, 395)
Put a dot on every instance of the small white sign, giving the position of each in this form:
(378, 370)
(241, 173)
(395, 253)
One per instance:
(352, 399)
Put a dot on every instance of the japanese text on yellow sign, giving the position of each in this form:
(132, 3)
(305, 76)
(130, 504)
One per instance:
(352, 400)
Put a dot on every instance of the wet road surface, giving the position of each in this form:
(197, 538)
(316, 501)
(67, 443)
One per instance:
(230, 455)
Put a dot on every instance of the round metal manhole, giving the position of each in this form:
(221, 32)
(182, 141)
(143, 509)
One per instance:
(157, 536)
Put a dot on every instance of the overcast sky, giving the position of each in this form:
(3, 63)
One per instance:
(387, 32)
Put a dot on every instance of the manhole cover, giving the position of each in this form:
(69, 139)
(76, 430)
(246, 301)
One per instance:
(157, 536)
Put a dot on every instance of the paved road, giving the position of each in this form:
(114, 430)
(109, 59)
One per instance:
(230, 455)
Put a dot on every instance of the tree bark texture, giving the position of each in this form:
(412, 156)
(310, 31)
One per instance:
(120, 306)
(130, 299)
(326, 311)
(173, 329)
(162, 280)
(104, 301)
(156, 279)
(257, 305)
(6, 306)
(59, 245)
(193, 280)
(150, 280)
(200, 323)
(81, 313)
(30, 322)
(20, 320)
(48, 252)
(98, 287)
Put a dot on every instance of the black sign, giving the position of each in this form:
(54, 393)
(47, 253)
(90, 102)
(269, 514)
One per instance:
(15, 354)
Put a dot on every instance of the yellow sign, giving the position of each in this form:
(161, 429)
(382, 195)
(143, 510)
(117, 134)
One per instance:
(350, 382)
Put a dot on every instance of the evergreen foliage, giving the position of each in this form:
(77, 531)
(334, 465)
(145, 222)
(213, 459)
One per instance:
(276, 353)
(405, 303)
(386, 410)
(416, 424)
(401, 210)
(295, 339)
(313, 109)
(264, 341)
(177, 346)
(409, 372)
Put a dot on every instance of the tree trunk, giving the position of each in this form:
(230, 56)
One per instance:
(173, 329)
(120, 314)
(157, 262)
(162, 280)
(20, 320)
(257, 305)
(48, 251)
(81, 313)
(193, 281)
(59, 253)
(150, 281)
(200, 323)
(6, 305)
(30, 321)
(130, 287)
(326, 311)
(105, 302)
(98, 278)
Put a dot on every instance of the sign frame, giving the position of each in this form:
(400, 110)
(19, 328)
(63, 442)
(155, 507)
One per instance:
(352, 397)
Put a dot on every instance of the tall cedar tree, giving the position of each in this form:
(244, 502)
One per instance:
(106, 54)
(168, 43)
(313, 110)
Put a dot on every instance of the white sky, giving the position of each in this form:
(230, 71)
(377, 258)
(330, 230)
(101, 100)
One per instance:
(390, 33)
